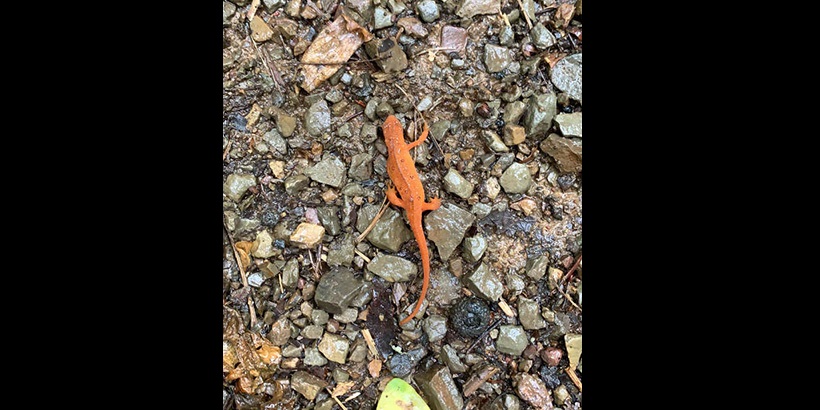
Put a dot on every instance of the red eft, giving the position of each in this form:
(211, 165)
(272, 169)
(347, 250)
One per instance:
(402, 171)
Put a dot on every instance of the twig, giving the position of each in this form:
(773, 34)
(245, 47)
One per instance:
(573, 377)
(505, 307)
(225, 153)
(478, 379)
(363, 256)
(368, 338)
(336, 398)
(526, 17)
(241, 272)
(274, 74)
(435, 49)
(373, 222)
(572, 270)
(568, 298)
(486, 332)
(390, 54)
(354, 116)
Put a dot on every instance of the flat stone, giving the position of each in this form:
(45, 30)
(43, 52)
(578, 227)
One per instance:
(574, 345)
(457, 184)
(540, 112)
(389, 54)
(337, 289)
(541, 37)
(428, 10)
(317, 118)
(361, 166)
(514, 134)
(537, 267)
(343, 254)
(453, 38)
(470, 8)
(260, 31)
(307, 235)
(566, 75)
(329, 219)
(349, 315)
(392, 268)
(334, 347)
(439, 389)
(473, 248)
(485, 284)
(570, 124)
(291, 351)
(237, 184)
(516, 179)
(444, 287)
(319, 317)
(506, 36)
(381, 18)
(494, 141)
(306, 384)
(412, 26)
(280, 331)
(529, 314)
(566, 152)
(513, 112)
(496, 58)
(446, 227)
(329, 171)
(263, 245)
(449, 356)
(276, 142)
(389, 233)
(312, 332)
(313, 357)
(511, 340)
(296, 183)
(285, 124)
(435, 326)
(290, 273)
(533, 391)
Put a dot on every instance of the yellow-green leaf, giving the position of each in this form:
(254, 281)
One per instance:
(398, 395)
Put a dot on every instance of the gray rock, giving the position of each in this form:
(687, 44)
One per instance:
(263, 245)
(291, 351)
(368, 133)
(272, 5)
(340, 376)
(465, 107)
(540, 112)
(389, 233)
(353, 189)
(344, 254)
(228, 10)
(485, 284)
(381, 18)
(446, 227)
(566, 75)
(295, 183)
(439, 389)
(481, 210)
(457, 184)
(329, 171)
(537, 267)
(425, 103)
(513, 112)
(569, 124)
(313, 357)
(541, 37)
(574, 345)
(566, 152)
(400, 365)
(370, 109)
(516, 179)
(561, 395)
(329, 219)
(529, 9)
(306, 384)
(285, 124)
(439, 128)
(344, 131)
(428, 10)
(317, 119)
(532, 390)
(457, 64)
(275, 140)
(529, 313)
(280, 331)
(334, 95)
(473, 248)
(349, 315)
(244, 225)
(506, 36)
(470, 8)
(392, 268)
(384, 109)
(237, 184)
(449, 356)
(361, 166)
(336, 290)
(358, 354)
(319, 317)
(334, 347)
(444, 287)
(290, 273)
(255, 279)
(390, 57)
(363, 8)
(494, 141)
(496, 58)
(435, 326)
(312, 332)
(512, 340)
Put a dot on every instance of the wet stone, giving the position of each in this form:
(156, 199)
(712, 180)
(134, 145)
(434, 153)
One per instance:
(446, 227)
(566, 75)
(381, 18)
(573, 344)
(401, 365)
(474, 248)
(439, 389)
(482, 210)
(348, 316)
(389, 233)
(470, 8)
(255, 279)
(516, 179)
(435, 326)
(533, 391)
(384, 109)
(313, 357)
(280, 332)
(514, 134)
(340, 376)
(453, 38)
(358, 354)
(465, 107)
(334, 347)
(329, 219)
(307, 235)
(390, 55)
(485, 284)
(319, 317)
(228, 10)
(392, 268)
(540, 112)
(439, 128)
(291, 351)
(336, 290)
(272, 5)
(449, 356)
(290, 273)
(496, 58)
(285, 124)
(317, 119)
(513, 112)
(425, 103)
(494, 141)
(537, 267)
(457, 184)
(329, 171)
(444, 287)
(361, 166)
(506, 36)
(306, 384)
(237, 184)
(344, 254)
(428, 10)
(566, 152)
(561, 395)
(260, 31)
(512, 340)
(529, 313)
(569, 124)
(263, 245)
(541, 37)
(296, 183)
(312, 332)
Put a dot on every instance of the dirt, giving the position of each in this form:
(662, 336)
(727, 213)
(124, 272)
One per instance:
(261, 82)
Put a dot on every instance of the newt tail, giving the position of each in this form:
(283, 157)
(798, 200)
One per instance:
(402, 171)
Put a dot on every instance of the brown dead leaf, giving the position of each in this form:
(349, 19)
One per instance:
(564, 14)
(268, 353)
(331, 48)
(244, 250)
(342, 388)
(374, 367)
(553, 58)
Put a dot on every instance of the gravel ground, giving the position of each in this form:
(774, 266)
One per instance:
(310, 304)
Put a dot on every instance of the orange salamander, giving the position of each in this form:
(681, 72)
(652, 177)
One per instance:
(402, 171)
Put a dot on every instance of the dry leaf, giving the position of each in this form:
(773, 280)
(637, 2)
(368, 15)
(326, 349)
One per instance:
(269, 354)
(244, 249)
(342, 388)
(374, 367)
(564, 14)
(331, 48)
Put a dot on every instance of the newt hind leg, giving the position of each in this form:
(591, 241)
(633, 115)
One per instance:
(421, 139)
(393, 198)
(431, 205)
